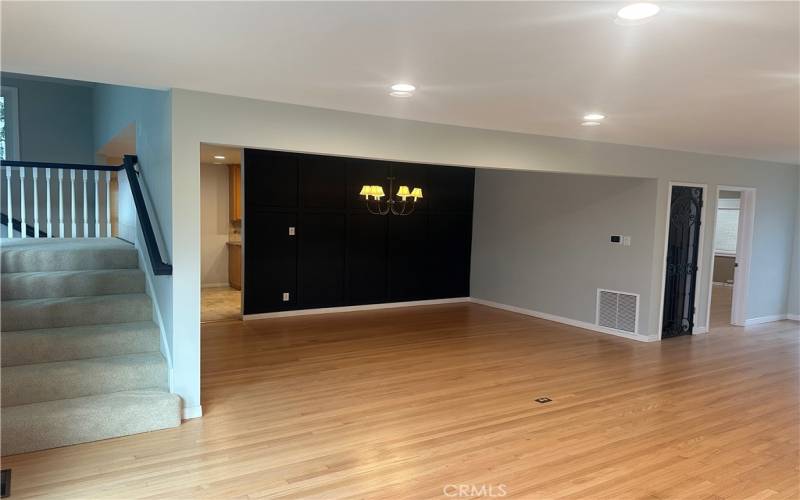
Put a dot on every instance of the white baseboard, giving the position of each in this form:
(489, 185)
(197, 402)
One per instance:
(698, 330)
(193, 412)
(366, 307)
(765, 319)
(793, 317)
(221, 284)
(561, 319)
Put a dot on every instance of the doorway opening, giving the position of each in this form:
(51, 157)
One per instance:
(683, 255)
(221, 233)
(733, 231)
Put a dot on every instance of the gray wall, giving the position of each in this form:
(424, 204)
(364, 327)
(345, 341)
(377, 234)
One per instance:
(55, 119)
(115, 109)
(793, 298)
(542, 241)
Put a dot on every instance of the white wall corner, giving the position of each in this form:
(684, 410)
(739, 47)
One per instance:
(793, 317)
(567, 321)
(192, 412)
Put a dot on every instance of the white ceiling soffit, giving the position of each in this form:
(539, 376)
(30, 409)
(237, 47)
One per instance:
(714, 77)
(220, 155)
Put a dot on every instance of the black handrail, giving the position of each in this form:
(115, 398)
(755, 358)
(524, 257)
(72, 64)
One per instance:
(65, 166)
(160, 267)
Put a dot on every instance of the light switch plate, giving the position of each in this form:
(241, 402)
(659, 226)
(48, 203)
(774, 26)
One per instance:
(291, 231)
(286, 296)
(626, 241)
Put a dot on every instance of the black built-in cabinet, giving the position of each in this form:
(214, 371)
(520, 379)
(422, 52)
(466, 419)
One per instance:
(341, 254)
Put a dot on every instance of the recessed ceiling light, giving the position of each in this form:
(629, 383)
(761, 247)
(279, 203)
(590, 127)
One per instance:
(219, 157)
(403, 87)
(397, 93)
(590, 124)
(593, 116)
(638, 11)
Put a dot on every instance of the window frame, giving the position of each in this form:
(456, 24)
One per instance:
(11, 98)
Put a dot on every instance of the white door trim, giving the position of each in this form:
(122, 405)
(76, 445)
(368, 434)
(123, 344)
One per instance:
(700, 250)
(744, 250)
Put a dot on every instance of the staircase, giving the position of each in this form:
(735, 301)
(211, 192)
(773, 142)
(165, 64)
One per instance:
(80, 353)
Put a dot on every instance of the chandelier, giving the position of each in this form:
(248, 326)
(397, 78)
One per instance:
(404, 204)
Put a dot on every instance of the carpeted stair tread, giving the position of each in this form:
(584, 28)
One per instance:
(29, 314)
(64, 422)
(78, 342)
(53, 284)
(25, 384)
(32, 254)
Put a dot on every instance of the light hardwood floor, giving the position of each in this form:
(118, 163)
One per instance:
(721, 301)
(402, 403)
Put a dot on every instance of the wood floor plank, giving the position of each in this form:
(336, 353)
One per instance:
(402, 403)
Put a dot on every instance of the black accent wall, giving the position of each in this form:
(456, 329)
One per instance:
(341, 254)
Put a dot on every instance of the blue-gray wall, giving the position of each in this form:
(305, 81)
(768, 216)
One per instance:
(114, 109)
(542, 241)
(793, 299)
(55, 119)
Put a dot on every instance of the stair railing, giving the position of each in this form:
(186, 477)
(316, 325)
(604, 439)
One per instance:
(53, 176)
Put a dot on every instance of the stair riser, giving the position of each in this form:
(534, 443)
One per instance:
(61, 423)
(44, 314)
(40, 286)
(72, 379)
(34, 260)
(65, 344)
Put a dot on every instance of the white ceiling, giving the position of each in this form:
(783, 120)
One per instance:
(716, 77)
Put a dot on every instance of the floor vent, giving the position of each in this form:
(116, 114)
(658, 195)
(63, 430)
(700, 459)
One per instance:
(618, 310)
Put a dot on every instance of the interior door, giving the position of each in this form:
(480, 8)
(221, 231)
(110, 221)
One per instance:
(682, 252)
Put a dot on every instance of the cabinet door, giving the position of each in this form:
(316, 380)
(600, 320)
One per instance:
(453, 188)
(323, 182)
(408, 262)
(449, 257)
(270, 262)
(235, 192)
(366, 258)
(321, 250)
(270, 179)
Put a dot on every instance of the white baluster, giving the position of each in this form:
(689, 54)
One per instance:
(108, 204)
(60, 203)
(10, 229)
(72, 192)
(49, 220)
(22, 202)
(85, 210)
(96, 204)
(35, 172)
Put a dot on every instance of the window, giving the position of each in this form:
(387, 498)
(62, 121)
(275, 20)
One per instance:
(727, 226)
(9, 124)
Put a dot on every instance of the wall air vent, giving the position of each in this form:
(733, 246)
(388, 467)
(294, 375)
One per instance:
(618, 310)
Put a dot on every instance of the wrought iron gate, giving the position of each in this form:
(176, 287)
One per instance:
(682, 248)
